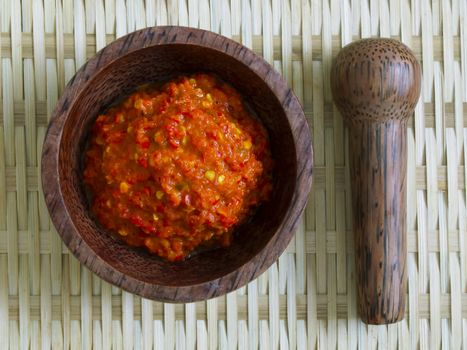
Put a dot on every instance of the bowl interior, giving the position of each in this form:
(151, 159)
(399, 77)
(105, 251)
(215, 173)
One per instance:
(159, 64)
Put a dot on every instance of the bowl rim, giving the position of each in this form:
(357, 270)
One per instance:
(51, 184)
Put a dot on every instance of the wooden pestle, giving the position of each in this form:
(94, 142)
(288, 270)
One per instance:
(376, 85)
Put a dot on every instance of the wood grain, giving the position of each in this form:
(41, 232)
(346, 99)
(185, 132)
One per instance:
(376, 85)
(155, 55)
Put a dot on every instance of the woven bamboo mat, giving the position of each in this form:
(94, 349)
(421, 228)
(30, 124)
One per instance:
(307, 299)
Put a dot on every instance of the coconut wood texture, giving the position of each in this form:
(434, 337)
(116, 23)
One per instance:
(376, 85)
(156, 55)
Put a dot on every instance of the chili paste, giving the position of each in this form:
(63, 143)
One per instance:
(171, 168)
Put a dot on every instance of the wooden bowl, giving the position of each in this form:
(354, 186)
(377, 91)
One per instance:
(155, 55)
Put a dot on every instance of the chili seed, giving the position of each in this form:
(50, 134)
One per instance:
(139, 104)
(210, 175)
(165, 243)
(159, 194)
(221, 178)
(124, 187)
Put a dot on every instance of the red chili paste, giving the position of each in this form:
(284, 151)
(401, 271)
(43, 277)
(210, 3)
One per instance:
(175, 167)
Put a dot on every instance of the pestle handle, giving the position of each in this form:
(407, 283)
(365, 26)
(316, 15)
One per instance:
(376, 85)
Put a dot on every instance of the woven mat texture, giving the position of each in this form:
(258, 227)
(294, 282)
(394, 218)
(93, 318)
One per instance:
(308, 298)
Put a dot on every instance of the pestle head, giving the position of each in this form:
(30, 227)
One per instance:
(375, 80)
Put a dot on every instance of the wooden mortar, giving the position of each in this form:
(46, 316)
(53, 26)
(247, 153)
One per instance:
(156, 55)
(376, 85)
